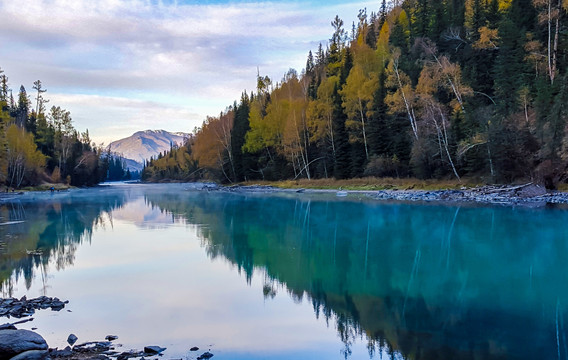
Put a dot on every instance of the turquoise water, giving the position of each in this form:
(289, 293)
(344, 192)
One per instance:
(257, 276)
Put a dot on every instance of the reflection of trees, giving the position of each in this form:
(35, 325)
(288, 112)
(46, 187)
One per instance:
(427, 282)
(51, 229)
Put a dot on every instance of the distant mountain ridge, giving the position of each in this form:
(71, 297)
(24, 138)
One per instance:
(143, 145)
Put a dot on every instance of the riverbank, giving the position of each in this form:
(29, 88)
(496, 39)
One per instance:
(371, 183)
(8, 192)
(524, 194)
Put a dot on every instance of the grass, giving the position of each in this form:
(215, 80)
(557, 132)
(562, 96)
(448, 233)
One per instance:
(369, 183)
(45, 187)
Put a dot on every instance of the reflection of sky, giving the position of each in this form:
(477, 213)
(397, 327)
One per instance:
(155, 285)
(138, 213)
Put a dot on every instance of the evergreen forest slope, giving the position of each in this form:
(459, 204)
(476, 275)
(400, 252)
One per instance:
(38, 145)
(421, 88)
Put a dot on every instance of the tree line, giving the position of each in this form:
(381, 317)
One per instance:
(420, 88)
(42, 146)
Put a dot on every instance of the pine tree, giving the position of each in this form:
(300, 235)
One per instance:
(509, 70)
(336, 45)
(312, 77)
(240, 127)
(22, 110)
(421, 18)
(382, 14)
(379, 133)
(341, 168)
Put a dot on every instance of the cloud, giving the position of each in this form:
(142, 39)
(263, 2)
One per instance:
(112, 118)
(134, 48)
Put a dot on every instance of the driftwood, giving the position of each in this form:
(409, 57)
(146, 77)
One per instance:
(511, 188)
(22, 321)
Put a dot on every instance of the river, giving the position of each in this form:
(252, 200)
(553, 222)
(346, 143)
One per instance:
(280, 276)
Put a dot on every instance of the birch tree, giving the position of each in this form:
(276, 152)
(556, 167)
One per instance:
(550, 11)
(357, 97)
(320, 114)
(403, 98)
(23, 158)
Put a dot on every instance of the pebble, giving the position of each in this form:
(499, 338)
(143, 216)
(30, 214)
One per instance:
(205, 355)
(72, 339)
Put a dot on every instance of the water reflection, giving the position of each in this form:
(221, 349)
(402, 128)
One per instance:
(413, 282)
(430, 282)
(41, 231)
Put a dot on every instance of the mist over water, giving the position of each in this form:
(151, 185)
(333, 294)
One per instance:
(275, 276)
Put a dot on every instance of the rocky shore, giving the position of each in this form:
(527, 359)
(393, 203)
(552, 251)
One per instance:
(24, 307)
(21, 344)
(526, 194)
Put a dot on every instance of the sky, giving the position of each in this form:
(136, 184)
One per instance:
(120, 66)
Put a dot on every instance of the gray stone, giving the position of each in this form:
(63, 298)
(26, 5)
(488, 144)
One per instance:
(93, 347)
(31, 355)
(14, 342)
(206, 355)
(72, 339)
(65, 352)
(111, 337)
(153, 349)
(532, 191)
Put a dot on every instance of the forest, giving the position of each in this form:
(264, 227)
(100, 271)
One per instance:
(419, 88)
(39, 146)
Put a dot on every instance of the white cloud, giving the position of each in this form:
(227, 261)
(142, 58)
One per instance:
(134, 48)
(111, 118)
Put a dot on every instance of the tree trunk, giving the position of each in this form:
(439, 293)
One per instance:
(550, 71)
(555, 49)
(409, 109)
(364, 133)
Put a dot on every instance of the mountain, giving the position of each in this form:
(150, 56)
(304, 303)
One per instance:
(142, 145)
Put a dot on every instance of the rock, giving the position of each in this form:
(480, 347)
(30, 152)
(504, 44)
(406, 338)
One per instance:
(532, 191)
(99, 357)
(7, 326)
(93, 347)
(14, 342)
(67, 352)
(31, 355)
(72, 339)
(111, 337)
(153, 349)
(195, 348)
(26, 307)
(57, 305)
(130, 354)
(205, 355)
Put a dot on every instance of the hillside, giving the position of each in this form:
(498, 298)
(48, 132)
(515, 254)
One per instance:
(143, 145)
(425, 89)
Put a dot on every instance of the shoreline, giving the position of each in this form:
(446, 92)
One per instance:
(529, 194)
(523, 195)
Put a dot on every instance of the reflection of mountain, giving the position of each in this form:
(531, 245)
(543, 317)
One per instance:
(138, 213)
(430, 282)
(55, 231)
